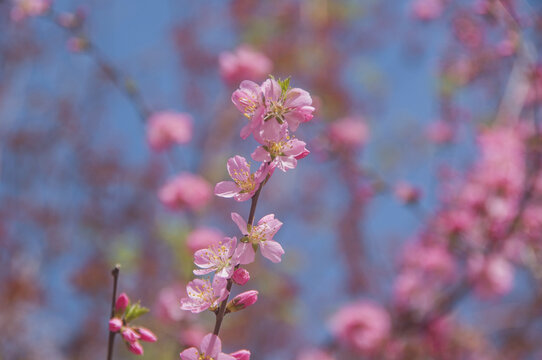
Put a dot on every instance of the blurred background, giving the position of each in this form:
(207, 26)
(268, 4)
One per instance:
(419, 202)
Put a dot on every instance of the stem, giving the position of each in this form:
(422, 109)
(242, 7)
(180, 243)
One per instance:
(222, 309)
(115, 274)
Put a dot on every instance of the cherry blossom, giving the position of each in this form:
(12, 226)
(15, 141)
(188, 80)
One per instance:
(166, 128)
(244, 184)
(259, 235)
(243, 63)
(217, 257)
(282, 151)
(203, 295)
(185, 191)
(210, 348)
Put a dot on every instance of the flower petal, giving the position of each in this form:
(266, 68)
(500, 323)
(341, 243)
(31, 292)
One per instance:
(272, 250)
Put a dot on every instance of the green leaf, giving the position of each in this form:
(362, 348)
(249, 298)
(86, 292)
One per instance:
(134, 311)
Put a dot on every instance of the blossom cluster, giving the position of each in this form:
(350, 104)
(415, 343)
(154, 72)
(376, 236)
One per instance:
(274, 111)
(125, 312)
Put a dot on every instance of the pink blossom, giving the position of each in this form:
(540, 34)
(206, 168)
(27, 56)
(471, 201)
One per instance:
(185, 191)
(29, 8)
(243, 301)
(122, 302)
(129, 335)
(314, 354)
(348, 133)
(431, 259)
(364, 326)
(260, 235)
(249, 100)
(291, 107)
(492, 276)
(135, 347)
(203, 295)
(244, 184)
(191, 336)
(241, 276)
(411, 291)
(281, 151)
(440, 132)
(210, 348)
(115, 324)
(407, 193)
(145, 334)
(244, 63)
(427, 9)
(202, 237)
(167, 128)
(217, 257)
(167, 304)
(241, 355)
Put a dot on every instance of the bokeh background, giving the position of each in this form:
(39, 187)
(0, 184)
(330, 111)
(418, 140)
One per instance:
(420, 79)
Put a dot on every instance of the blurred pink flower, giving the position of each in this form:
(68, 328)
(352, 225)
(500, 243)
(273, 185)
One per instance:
(218, 257)
(129, 335)
(244, 63)
(407, 193)
(210, 348)
(427, 9)
(492, 276)
(203, 295)
(314, 354)
(167, 128)
(260, 235)
(29, 8)
(167, 303)
(440, 132)
(191, 335)
(135, 347)
(145, 334)
(186, 191)
(244, 184)
(364, 326)
(348, 133)
(202, 237)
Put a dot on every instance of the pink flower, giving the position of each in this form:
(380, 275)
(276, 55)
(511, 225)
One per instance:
(492, 276)
(203, 295)
(440, 132)
(145, 334)
(348, 133)
(29, 8)
(135, 347)
(292, 106)
(281, 151)
(407, 193)
(242, 301)
(244, 184)
(314, 354)
(166, 128)
(364, 326)
(249, 100)
(241, 276)
(202, 237)
(129, 335)
(185, 191)
(217, 257)
(241, 355)
(122, 302)
(427, 9)
(115, 324)
(244, 63)
(192, 335)
(210, 348)
(259, 235)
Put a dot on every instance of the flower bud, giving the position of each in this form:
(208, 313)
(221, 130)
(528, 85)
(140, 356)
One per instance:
(241, 276)
(135, 347)
(242, 301)
(115, 324)
(129, 334)
(145, 334)
(241, 355)
(122, 302)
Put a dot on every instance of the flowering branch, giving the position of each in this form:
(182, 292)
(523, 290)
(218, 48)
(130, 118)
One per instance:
(110, 343)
